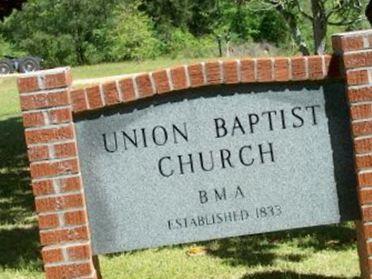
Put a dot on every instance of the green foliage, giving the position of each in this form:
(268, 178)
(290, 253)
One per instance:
(7, 49)
(182, 43)
(240, 21)
(57, 51)
(132, 35)
(61, 31)
(272, 28)
(79, 32)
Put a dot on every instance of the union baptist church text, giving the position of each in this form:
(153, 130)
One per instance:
(209, 160)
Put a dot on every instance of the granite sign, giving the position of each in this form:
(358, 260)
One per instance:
(220, 162)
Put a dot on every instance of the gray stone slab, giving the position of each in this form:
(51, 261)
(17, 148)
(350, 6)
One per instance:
(293, 171)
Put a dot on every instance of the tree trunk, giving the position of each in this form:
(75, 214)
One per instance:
(319, 26)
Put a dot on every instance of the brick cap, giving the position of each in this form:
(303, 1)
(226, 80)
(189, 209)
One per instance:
(53, 71)
(212, 72)
(353, 33)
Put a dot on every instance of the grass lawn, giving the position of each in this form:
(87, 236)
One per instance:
(316, 253)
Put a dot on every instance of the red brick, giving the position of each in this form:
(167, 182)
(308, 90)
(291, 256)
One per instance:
(213, 72)
(365, 196)
(81, 252)
(299, 71)
(110, 93)
(358, 59)
(144, 85)
(230, 71)
(57, 80)
(48, 221)
(369, 251)
(365, 179)
(179, 79)
(33, 119)
(43, 187)
(62, 115)
(247, 70)
(63, 235)
(161, 81)
(368, 230)
(94, 97)
(127, 90)
(367, 213)
(357, 77)
(68, 271)
(344, 44)
(352, 43)
(54, 168)
(69, 184)
(59, 203)
(53, 255)
(360, 94)
(75, 217)
(44, 100)
(28, 84)
(65, 150)
(79, 102)
(281, 69)
(362, 128)
(332, 66)
(361, 111)
(315, 67)
(364, 161)
(264, 70)
(38, 153)
(196, 75)
(49, 135)
(363, 145)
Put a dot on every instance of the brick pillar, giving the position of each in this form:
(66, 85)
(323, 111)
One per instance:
(55, 172)
(355, 50)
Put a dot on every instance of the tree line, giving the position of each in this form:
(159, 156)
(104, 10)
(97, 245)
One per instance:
(75, 32)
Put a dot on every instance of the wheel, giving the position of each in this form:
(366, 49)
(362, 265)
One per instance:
(6, 67)
(28, 65)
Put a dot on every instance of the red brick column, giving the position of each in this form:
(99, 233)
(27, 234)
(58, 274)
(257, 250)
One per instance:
(355, 50)
(55, 173)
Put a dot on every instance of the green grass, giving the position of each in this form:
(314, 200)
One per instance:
(316, 253)
(110, 69)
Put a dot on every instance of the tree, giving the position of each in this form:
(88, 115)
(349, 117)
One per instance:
(320, 13)
(131, 34)
(60, 31)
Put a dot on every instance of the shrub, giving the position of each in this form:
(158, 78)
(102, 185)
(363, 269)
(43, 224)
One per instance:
(62, 32)
(132, 35)
(8, 49)
(181, 43)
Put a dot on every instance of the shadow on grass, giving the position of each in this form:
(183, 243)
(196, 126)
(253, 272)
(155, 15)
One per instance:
(288, 275)
(253, 250)
(260, 249)
(18, 232)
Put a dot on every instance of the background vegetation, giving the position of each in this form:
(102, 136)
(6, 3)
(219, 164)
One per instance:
(76, 32)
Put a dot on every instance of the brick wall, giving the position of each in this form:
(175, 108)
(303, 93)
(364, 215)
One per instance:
(55, 173)
(250, 70)
(355, 52)
(48, 105)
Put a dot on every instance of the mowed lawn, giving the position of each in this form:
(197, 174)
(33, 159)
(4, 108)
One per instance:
(324, 252)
